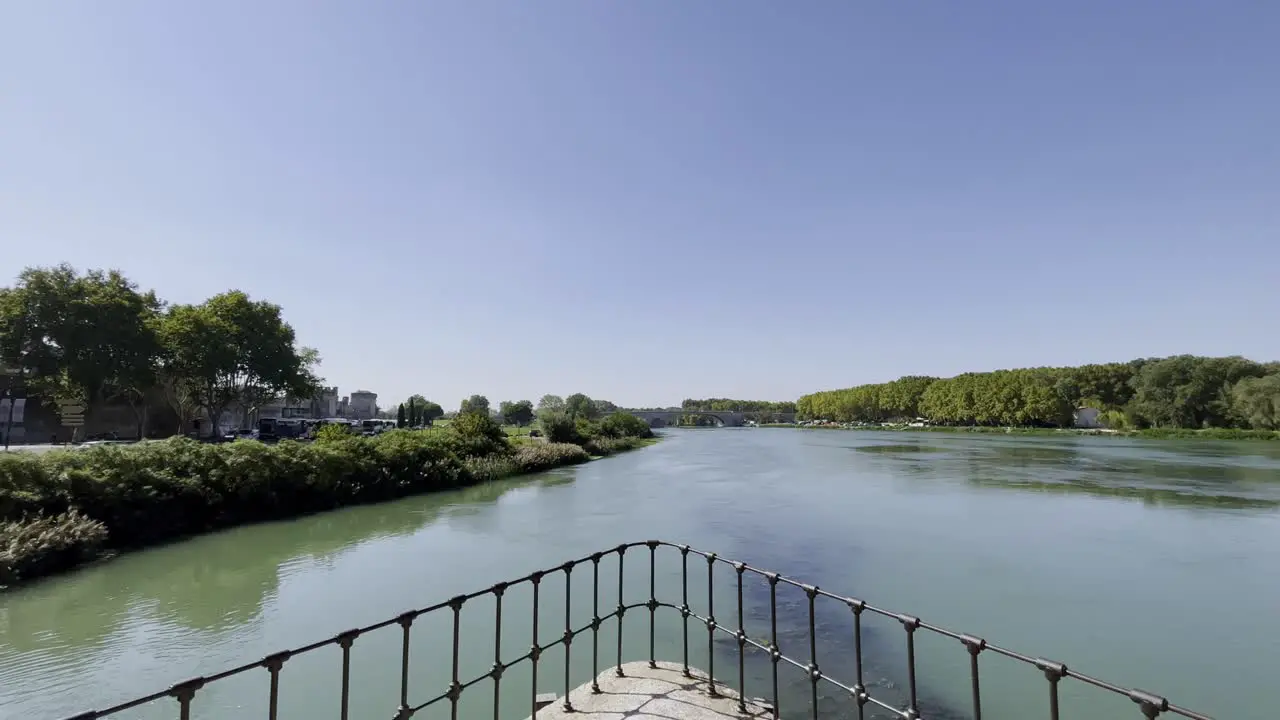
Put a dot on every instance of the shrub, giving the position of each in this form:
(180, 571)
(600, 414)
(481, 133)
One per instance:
(545, 456)
(602, 446)
(558, 427)
(48, 544)
(625, 425)
(477, 435)
(333, 432)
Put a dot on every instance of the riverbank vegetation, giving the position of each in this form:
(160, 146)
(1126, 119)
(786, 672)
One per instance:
(1158, 397)
(63, 508)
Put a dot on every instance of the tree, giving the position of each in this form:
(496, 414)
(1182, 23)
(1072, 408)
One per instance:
(478, 404)
(400, 416)
(516, 413)
(604, 406)
(81, 338)
(1256, 402)
(431, 412)
(580, 407)
(412, 414)
(550, 403)
(231, 349)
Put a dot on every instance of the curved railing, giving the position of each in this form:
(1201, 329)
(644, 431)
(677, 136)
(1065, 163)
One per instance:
(185, 693)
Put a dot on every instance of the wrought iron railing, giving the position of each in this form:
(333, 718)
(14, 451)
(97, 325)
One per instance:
(185, 693)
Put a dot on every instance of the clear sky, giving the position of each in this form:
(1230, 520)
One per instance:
(646, 201)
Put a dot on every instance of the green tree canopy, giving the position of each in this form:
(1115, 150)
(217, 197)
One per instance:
(478, 404)
(231, 348)
(1256, 401)
(516, 413)
(580, 407)
(550, 403)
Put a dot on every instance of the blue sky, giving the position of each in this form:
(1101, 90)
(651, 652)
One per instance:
(646, 201)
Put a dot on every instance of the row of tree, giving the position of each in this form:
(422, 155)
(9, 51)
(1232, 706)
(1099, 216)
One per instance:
(1183, 391)
(85, 339)
(728, 405)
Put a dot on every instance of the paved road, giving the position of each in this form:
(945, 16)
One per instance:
(44, 448)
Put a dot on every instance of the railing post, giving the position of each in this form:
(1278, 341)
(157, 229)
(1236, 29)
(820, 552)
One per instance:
(975, 645)
(1053, 672)
(568, 632)
(740, 568)
(496, 670)
(815, 674)
(455, 685)
(653, 602)
(184, 693)
(273, 664)
(684, 603)
(345, 641)
(622, 606)
(711, 626)
(775, 652)
(911, 624)
(860, 695)
(535, 651)
(406, 622)
(595, 623)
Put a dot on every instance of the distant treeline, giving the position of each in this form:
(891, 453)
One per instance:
(1184, 391)
(727, 405)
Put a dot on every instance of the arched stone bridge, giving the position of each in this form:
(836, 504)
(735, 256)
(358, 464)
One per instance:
(664, 418)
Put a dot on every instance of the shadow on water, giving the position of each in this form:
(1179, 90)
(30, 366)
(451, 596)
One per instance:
(883, 655)
(787, 608)
(242, 567)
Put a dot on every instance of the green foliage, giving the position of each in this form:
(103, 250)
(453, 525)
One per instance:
(232, 349)
(425, 411)
(620, 425)
(603, 446)
(580, 407)
(550, 403)
(400, 416)
(476, 404)
(333, 432)
(728, 405)
(558, 427)
(61, 508)
(47, 545)
(1256, 401)
(473, 434)
(516, 413)
(1177, 392)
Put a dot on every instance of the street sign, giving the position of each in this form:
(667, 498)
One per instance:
(71, 409)
(73, 421)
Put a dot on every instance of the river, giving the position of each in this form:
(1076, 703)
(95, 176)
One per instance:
(1153, 564)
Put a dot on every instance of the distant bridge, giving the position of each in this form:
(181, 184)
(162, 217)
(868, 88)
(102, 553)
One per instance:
(727, 418)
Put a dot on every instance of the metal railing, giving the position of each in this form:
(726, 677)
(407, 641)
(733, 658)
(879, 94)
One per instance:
(185, 693)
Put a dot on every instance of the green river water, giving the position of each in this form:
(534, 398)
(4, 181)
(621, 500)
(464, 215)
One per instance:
(1149, 564)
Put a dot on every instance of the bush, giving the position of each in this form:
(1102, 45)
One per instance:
(620, 425)
(602, 446)
(48, 544)
(333, 432)
(61, 508)
(476, 435)
(545, 456)
(558, 427)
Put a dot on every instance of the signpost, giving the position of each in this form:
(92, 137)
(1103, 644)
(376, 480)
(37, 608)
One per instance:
(72, 417)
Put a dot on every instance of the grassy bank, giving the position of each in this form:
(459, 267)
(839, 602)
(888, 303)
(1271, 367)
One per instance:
(1150, 433)
(64, 508)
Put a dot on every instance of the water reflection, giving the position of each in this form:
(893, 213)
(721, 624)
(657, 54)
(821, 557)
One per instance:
(1212, 476)
(222, 585)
